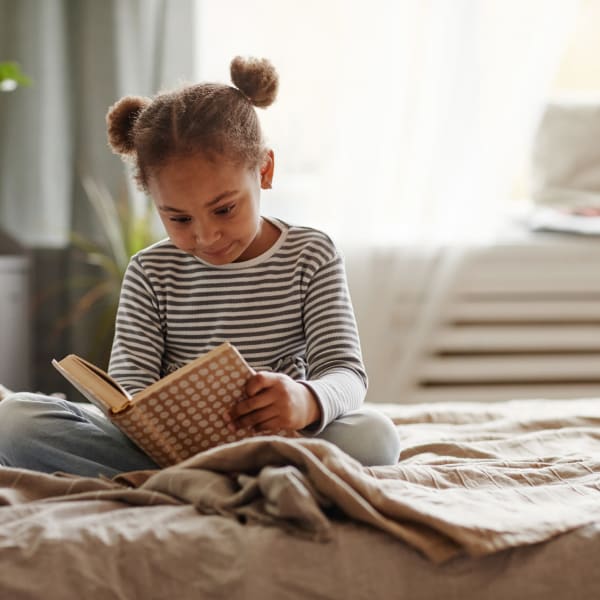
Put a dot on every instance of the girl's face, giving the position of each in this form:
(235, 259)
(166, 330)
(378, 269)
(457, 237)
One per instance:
(212, 209)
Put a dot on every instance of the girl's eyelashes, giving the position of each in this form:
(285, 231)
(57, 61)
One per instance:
(225, 210)
(221, 211)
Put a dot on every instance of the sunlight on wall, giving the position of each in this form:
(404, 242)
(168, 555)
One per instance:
(580, 68)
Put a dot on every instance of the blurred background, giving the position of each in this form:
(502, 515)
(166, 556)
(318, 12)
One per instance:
(448, 146)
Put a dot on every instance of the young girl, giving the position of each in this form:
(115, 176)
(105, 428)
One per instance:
(276, 291)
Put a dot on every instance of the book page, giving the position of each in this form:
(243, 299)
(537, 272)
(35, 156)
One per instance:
(94, 383)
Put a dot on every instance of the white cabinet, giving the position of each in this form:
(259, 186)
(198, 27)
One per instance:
(15, 325)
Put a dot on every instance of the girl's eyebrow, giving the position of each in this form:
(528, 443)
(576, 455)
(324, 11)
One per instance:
(167, 208)
(221, 197)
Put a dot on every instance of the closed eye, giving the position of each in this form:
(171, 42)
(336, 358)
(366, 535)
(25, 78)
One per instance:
(180, 219)
(225, 210)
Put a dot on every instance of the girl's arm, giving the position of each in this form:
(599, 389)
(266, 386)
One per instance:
(336, 381)
(336, 374)
(138, 345)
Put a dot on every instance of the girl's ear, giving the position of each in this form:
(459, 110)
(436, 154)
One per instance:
(267, 169)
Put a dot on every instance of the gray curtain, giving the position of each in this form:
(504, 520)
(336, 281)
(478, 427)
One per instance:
(82, 56)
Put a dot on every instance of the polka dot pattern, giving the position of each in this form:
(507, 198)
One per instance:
(186, 416)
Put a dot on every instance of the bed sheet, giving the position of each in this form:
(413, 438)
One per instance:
(277, 518)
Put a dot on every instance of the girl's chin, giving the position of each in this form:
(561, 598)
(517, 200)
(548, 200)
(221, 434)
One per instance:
(234, 252)
(228, 255)
(212, 260)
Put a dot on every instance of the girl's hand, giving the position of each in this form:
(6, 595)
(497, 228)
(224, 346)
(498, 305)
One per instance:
(275, 401)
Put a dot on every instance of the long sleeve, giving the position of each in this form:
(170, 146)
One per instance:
(137, 350)
(335, 368)
(288, 310)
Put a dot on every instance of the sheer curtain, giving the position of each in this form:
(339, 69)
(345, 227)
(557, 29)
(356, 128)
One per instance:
(397, 121)
(458, 112)
(399, 128)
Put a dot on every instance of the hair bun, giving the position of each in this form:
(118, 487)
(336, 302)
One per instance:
(256, 78)
(121, 118)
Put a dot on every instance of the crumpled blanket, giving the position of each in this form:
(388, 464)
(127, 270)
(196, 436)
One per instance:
(469, 481)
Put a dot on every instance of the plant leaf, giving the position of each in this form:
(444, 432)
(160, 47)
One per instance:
(109, 218)
(11, 71)
(123, 233)
(85, 304)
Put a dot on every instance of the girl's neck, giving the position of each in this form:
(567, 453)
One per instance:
(267, 235)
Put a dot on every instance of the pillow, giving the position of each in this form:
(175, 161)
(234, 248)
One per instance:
(565, 161)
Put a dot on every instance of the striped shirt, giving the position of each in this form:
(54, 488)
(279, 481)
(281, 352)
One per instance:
(287, 310)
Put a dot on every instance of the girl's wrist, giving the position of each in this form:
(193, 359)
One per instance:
(313, 407)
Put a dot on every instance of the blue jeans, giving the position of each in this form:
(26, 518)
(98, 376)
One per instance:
(48, 434)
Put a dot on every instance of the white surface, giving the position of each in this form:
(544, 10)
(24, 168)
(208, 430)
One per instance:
(14, 323)
(519, 318)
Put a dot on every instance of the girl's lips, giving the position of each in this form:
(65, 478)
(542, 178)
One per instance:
(219, 252)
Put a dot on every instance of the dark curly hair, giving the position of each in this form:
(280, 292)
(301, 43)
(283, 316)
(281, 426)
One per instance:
(208, 119)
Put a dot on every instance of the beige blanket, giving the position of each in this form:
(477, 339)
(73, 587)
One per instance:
(472, 479)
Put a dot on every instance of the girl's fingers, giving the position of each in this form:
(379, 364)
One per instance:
(270, 425)
(257, 389)
(248, 406)
(256, 419)
(261, 381)
(268, 400)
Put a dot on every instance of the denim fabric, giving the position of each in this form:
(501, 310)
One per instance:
(49, 434)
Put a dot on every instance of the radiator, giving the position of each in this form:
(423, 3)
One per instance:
(515, 321)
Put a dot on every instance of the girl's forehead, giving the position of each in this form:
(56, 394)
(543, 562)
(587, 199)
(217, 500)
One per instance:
(193, 171)
(200, 166)
(197, 180)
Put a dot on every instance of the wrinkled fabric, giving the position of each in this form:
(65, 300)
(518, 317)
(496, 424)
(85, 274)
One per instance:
(472, 480)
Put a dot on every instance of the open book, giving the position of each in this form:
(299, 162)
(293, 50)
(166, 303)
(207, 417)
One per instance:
(177, 416)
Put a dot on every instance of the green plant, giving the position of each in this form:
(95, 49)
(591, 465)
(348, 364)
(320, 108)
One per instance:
(123, 232)
(11, 76)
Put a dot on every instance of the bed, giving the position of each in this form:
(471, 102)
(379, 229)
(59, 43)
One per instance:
(487, 501)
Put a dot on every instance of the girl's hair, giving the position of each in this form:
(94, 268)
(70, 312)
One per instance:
(208, 119)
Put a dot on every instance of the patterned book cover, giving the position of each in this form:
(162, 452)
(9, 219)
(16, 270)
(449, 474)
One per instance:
(181, 414)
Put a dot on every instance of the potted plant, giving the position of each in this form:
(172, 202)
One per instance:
(124, 229)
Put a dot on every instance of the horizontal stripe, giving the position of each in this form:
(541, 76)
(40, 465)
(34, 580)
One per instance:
(290, 312)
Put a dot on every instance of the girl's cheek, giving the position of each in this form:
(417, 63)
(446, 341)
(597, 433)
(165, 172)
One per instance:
(180, 239)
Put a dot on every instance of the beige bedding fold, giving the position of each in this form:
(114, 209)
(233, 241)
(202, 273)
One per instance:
(472, 479)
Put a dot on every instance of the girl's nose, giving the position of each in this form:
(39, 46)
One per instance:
(206, 235)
